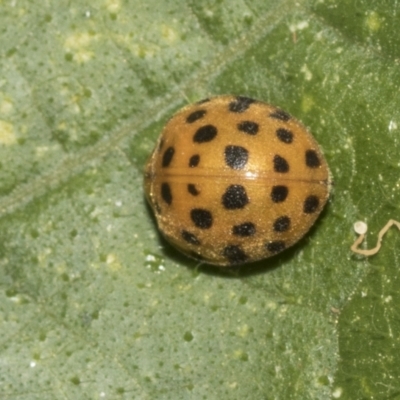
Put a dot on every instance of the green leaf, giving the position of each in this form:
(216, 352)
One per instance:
(93, 303)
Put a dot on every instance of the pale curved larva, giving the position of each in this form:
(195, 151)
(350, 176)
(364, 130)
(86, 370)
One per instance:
(361, 229)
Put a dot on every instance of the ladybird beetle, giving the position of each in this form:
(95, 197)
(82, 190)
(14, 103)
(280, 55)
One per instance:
(233, 180)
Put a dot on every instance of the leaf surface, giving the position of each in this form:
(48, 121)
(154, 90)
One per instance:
(93, 303)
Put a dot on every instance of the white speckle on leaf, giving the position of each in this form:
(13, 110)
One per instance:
(6, 106)
(233, 385)
(150, 258)
(271, 305)
(243, 331)
(77, 41)
(337, 393)
(113, 5)
(32, 364)
(95, 212)
(302, 25)
(7, 134)
(118, 203)
(373, 21)
(392, 125)
(77, 44)
(307, 73)
(169, 34)
(113, 262)
(110, 258)
(41, 151)
(16, 299)
(298, 27)
(388, 299)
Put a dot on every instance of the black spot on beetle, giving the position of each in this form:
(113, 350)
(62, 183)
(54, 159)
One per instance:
(249, 127)
(312, 159)
(279, 193)
(236, 157)
(282, 224)
(166, 193)
(190, 238)
(275, 247)
(201, 218)
(205, 134)
(167, 157)
(284, 135)
(281, 115)
(235, 197)
(192, 189)
(195, 116)
(235, 254)
(244, 230)
(194, 161)
(280, 164)
(311, 204)
(240, 104)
